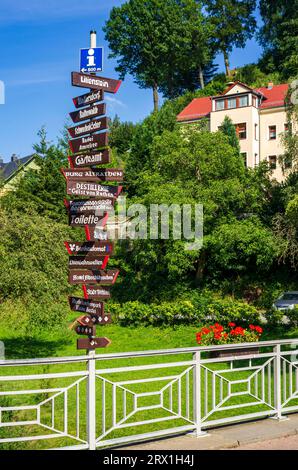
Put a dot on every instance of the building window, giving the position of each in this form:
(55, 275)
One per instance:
(243, 101)
(288, 127)
(241, 130)
(272, 132)
(256, 159)
(219, 105)
(244, 156)
(256, 132)
(272, 162)
(232, 103)
(254, 101)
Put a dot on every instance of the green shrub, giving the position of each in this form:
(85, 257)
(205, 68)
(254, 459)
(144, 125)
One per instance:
(183, 312)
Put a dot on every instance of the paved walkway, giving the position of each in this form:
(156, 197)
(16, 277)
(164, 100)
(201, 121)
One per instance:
(263, 434)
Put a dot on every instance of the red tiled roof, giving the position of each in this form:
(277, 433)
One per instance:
(201, 107)
(198, 108)
(274, 97)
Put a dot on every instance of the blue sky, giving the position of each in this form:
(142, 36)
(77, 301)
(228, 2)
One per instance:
(39, 47)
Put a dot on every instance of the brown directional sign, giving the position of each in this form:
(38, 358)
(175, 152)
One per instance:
(94, 292)
(86, 206)
(88, 113)
(86, 306)
(88, 159)
(93, 174)
(80, 220)
(80, 262)
(92, 343)
(88, 127)
(88, 98)
(95, 320)
(88, 249)
(95, 233)
(77, 188)
(89, 143)
(86, 330)
(95, 83)
(93, 277)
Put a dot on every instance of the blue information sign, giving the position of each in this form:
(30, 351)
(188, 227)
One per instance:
(91, 60)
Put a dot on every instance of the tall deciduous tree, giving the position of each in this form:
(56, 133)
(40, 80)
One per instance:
(234, 24)
(164, 44)
(279, 35)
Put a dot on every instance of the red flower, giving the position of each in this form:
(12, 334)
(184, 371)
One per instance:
(252, 327)
(238, 331)
(231, 324)
(259, 329)
(205, 331)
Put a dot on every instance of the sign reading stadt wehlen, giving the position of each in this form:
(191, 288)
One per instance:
(95, 83)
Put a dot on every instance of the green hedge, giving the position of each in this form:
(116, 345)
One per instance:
(183, 312)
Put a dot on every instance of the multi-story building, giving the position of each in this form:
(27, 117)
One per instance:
(259, 116)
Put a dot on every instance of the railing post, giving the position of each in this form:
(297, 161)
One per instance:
(91, 402)
(197, 395)
(277, 383)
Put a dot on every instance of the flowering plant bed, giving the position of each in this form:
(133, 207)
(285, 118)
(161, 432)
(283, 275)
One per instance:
(217, 334)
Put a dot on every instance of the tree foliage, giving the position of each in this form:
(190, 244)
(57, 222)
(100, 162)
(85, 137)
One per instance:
(163, 44)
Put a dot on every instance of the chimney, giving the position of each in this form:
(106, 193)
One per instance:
(14, 157)
(270, 85)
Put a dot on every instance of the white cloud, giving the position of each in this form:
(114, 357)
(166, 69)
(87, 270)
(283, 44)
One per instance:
(114, 102)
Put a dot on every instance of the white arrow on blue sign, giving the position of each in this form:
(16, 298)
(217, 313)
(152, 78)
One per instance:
(91, 60)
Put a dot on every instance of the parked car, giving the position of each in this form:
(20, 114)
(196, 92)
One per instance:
(287, 301)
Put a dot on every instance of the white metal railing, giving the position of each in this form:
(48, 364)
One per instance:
(96, 401)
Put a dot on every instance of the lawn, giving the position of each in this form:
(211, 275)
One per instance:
(63, 343)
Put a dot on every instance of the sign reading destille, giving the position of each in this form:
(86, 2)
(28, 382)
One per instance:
(88, 113)
(95, 320)
(92, 343)
(80, 262)
(89, 143)
(88, 98)
(86, 330)
(76, 188)
(89, 248)
(94, 292)
(93, 277)
(80, 220)
(89, 127)
(93, 206)
(86, 306)
(85, 160)
(94, 174)
(95, 83)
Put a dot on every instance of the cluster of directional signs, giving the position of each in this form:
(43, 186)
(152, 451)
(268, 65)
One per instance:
(89, 204)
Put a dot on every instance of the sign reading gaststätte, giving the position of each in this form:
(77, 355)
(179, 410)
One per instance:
(86, 160)
(95, 83)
